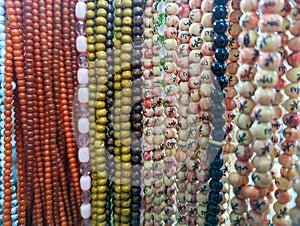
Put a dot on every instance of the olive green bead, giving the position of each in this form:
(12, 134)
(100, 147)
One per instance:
(118, 12)
(118, 210)
(102, 120)
(102, 181)
(127, 47)
(125, 150)
(125, 57)
(126, 75)
(125, 66)
(127, 21)
(100, 144)
(101, 30)
(89, 31)
(127, 12)
(101, 72)
(117, 151)
(125, 133)
(117, 52)
(100, 38)
(117, 86)
(102, 4)
(117, 61)
(100, 104)
(91, 65)
(102, 88)
(117, 78)
(101, 55)
(91, 48)
(126, 100)
(101, 112)
(117, 144)
(118, 22)
(118, 3)
(127, 3)
(100, 47)
(101, 12)
(124, 118)
(90, 14)
(90, 5)
(101, 20)
(91, 39)
(118, 103)
(126, 30)
(118, 35)
(126, 39)
(126, 157)
(90, 23)
(126, 83)
(101, 96)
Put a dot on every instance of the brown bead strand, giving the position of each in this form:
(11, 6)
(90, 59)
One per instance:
(45, 22)
(14, 46)
(8, 100)
(67, 116)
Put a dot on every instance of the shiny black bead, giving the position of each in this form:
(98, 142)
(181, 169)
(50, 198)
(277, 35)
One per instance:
(220, 2)
(219, 68)
(109, 101)
(221, 82)
(137, 108)
(213, 209)
(218, 96)
(214, 197)
(136, 190)
(218, 122)
(110, 125)
(109, 44)
(110, 8)
(136, 201)
(109, 35)
(218, 134)
(137, 11)
(221, 40)
(216, 186)
(217, 109)
(220, 12)
(109, 26)
(135, 221)
(136, 151)
(222, 54)
(212, 220)
(136, 159)
(137, 30)
(216, 174)
(220, 26)
(217, 162)
(110, 17)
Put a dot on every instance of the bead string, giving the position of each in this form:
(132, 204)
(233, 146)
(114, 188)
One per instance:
(148, 179)
(290, 145)
(181, 155)
(82, 94)
(219, 68)
(136, 112)
(243, 167)
(2, 90)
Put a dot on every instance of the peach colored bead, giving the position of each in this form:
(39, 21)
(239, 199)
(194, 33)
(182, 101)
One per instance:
(249, 5)
(271, 23)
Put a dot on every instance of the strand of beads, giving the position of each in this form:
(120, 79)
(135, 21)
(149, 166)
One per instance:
(148, 114)
(192, 113)
(183, 51)
(243, 167)
(292, 119)
(8, 78)
(265, 78)
(205, 42)
(123, 90)
(2, 90)
(287, 174)
(218, 121)
(109, 148)
(171, 91)
(136, 115)
(156, 93)
(96, 144)
(83, 94)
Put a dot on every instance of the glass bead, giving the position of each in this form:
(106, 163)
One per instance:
(213, 209)
(219, 68)
(80, 28)
(83, 110)
(216, 174)
(215, 197)
(218, 134)
(220, 26)
(86, 196)
(221, 40)
(218, 122)
(211, 219)
(221, 82)
(222, 54)
(220, 12)
(85, 168)
(83, 140)
(220, 2)
(83, 60)
(217, 162)
(216, 186)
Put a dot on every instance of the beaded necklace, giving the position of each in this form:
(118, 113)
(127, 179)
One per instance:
(291, 130)
(148, 114)
(184, 99)
(219, 68)
(136, 113)
(82, 94)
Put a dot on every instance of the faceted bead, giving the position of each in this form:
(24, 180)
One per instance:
(83, 110)
(220, 26)
(215, 197)
(217, 162)
(86, 222)
(218, 96)
(222, 54)
(216, 186)
(218, 122)
(221, 40)
(216, 174)
(80, 28)
(221, 82)
(83, 140)
(218, 134)
(213, 209)
(220, 12)
(219, 68)
(85, 168)
(83, 60)
(212, 219)
(218, 109)
(162, 19)
(86, 196)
